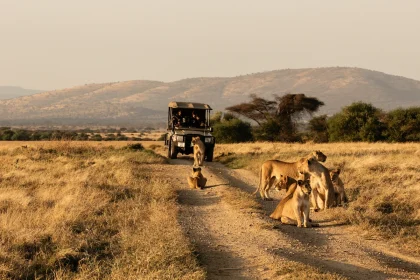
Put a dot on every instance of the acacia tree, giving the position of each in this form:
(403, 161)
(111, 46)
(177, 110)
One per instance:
(277, 118)
(258, 109)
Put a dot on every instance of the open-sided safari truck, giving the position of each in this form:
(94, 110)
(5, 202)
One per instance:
(185, 121)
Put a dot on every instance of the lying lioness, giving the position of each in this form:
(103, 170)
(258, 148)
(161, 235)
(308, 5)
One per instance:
(196, 180)
(293, 209)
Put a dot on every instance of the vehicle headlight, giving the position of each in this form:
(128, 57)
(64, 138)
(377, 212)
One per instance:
(208, 140)
(180, 138)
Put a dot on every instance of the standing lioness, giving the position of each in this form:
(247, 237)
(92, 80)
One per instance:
(322, 187)
(199, 151)
(272, 171)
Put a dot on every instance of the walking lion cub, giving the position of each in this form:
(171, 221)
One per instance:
(293, 209)
(196, 180)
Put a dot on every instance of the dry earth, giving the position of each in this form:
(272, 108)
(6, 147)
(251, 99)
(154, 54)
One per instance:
(235, 243)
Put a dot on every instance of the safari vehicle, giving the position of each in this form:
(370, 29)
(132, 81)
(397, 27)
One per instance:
(185, 121)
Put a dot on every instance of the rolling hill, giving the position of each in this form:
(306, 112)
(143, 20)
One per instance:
(9, 92)
(140, 102)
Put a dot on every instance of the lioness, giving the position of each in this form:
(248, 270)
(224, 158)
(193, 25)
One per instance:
(293, 209)
(340, 194)
(322, 187)
(196, 180)
(272, 171)
(199, 151)
(285, 181)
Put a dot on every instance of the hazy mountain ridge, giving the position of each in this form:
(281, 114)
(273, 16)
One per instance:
(8, 92)
(143, 101)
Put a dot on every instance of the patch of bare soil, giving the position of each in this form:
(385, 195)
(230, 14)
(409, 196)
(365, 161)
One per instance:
(234, 243)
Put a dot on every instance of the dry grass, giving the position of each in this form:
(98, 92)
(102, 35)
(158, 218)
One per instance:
(381, 180)
(295, 271)
(73, 210)
(241, 200)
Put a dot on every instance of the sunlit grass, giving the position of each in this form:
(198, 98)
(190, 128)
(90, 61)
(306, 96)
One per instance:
(78, 210)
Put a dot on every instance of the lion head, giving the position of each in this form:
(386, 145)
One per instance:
(195, 140)
(318, 155)
(305, 186)
(334, 173)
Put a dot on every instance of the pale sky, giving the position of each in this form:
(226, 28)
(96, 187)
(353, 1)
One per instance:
(53, 44)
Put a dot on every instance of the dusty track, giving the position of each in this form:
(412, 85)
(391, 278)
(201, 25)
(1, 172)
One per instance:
(237, 244)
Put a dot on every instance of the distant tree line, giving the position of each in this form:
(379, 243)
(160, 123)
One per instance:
(289, 118)
(109, 134)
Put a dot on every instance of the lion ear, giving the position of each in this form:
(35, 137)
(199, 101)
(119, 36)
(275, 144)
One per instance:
(338, 170)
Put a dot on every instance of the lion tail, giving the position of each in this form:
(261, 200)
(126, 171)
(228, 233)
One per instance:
(259, 184)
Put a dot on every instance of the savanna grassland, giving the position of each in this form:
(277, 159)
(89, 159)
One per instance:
(85, 210)
(382, 182)
(120, 210)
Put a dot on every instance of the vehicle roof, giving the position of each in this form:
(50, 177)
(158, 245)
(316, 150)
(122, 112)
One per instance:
(188, 105)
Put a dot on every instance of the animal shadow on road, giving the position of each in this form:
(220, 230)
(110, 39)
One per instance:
(394, 262)
(194, 198)
(217, 185)
(342, 268)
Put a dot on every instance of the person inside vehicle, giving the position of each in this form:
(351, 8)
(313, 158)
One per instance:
(196, 121)
(193, 119)
(177, 119)
(200, 123)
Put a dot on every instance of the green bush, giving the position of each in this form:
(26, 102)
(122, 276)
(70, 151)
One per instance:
(403, 125)
(96, 137)
(272, 130)
(357, 122)
(20, 135)
(318, 129)
(232, 131)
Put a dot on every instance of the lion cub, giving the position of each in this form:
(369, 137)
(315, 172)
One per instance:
(199, 151)
(340, 194)
(293, 209)
(196, 180)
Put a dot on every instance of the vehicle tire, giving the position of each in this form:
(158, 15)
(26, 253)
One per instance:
(169, 148)
(172, 152)
(209, 155)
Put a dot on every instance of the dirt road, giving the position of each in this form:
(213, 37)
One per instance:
(234, 243)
